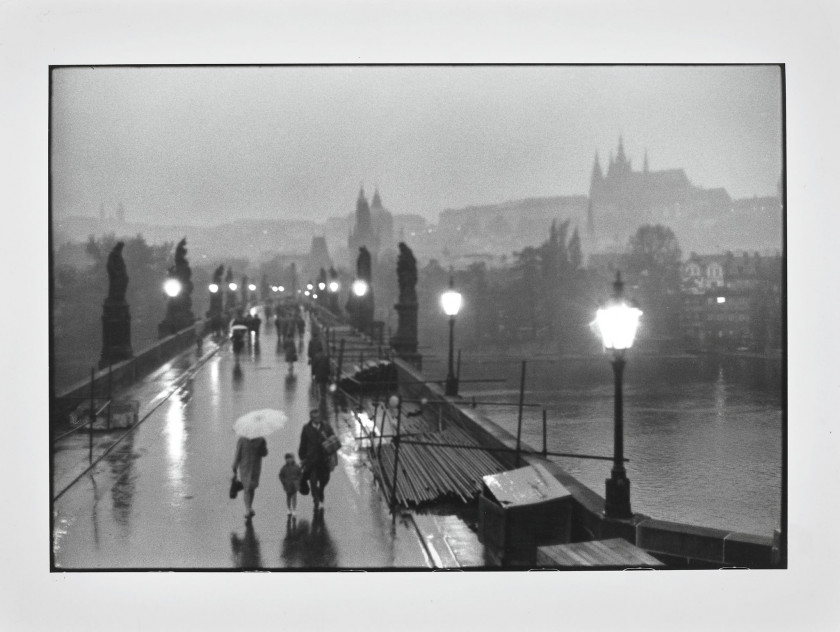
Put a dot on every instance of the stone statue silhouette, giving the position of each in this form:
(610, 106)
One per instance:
(117, 275)
(407, 275)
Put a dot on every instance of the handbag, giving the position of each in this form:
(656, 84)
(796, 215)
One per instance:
(235, 486)
(304, 485)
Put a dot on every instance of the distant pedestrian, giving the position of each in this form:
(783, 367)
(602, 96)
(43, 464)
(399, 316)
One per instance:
(315, 347)
(290, 475)
(321, 371)
(254, 326)
(301, 324)
(238, 330)
(291, 354)
(315, 459)
(248, 459)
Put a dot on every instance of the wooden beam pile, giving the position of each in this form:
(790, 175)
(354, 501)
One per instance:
(430, 473)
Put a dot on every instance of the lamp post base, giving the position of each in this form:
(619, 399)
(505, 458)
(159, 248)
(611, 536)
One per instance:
(617, 502)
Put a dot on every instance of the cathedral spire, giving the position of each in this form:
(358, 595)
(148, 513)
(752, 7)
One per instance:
(376, 202)
(597, 174)
(621, 158)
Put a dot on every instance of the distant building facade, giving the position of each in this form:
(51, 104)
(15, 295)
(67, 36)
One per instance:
(732, 302)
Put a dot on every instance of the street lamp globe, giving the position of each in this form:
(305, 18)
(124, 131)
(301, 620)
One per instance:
(322, 286)
(314, 296)
(333, 286)
(252, 287)
(617, 324)
(451, 301)
(280, 288)
(213, 288)
(232, 287)
(172, 287)
(360, 287)
(308, 286)
(306, 293)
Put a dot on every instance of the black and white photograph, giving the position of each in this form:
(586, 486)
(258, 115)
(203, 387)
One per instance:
(417, 317)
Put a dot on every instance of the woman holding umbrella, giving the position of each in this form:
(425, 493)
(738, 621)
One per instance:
(251, 448)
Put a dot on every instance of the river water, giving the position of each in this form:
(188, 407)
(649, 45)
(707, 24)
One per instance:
(703, 435)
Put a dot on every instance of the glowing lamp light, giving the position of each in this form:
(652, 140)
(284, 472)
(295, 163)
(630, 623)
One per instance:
(721, 299)
(333, 286)
(172, 287)
(253, 311)
(451, 302)
(232, 287)
(306, 293)
(322, 286)
(360, 288)
(314, 296)
(308, 286)
(280, 288)
(252, 287)
(213, 288)
(617, 325)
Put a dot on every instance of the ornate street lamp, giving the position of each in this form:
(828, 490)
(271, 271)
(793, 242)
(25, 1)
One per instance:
(451, 303)
(617, 324)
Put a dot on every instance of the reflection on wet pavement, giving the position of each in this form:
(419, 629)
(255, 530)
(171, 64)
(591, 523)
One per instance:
(167, 484)
(246, 549)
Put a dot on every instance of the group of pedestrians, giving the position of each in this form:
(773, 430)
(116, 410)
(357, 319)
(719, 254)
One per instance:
(317, 454)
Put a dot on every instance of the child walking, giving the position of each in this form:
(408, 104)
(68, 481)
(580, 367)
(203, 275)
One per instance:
(290, 475)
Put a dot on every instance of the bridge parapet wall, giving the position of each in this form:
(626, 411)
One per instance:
(128, 371)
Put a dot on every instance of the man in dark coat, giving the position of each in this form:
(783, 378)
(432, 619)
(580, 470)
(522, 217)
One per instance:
(314, 459)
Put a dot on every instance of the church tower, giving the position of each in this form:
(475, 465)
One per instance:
(362, 233)
(597, 176)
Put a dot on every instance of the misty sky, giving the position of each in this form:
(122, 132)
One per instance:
(207, 145)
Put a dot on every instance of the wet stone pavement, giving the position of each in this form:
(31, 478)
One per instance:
(160, 499)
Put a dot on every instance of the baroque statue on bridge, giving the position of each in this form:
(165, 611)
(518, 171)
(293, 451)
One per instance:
(407, 275)
(117, 275)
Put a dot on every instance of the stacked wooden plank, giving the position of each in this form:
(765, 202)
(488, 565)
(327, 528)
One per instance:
(430, 473)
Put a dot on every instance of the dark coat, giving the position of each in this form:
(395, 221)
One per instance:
(321, 368)
(291, 350)
(315, 347)
(310, 450)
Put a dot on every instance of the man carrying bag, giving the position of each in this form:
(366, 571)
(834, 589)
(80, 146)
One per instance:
(318, 444)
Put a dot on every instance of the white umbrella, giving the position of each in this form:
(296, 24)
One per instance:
(259, 423)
